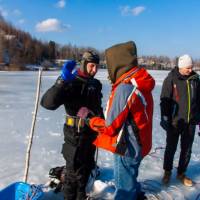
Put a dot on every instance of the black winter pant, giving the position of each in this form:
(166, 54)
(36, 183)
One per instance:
(78, 152)
(186, 134)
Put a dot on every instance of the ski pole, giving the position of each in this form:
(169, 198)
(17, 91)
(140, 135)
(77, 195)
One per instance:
(199, 129)
(28, 152)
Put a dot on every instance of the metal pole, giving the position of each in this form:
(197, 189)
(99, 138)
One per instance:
(28, 151)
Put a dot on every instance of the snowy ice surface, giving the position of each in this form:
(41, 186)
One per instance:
(17, 99)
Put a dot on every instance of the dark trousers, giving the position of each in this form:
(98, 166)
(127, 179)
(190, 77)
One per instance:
(78, 151)
(186, 134)
(75, 184)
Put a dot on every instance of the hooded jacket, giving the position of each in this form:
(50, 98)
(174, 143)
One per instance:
(130, 106)
(180, 98)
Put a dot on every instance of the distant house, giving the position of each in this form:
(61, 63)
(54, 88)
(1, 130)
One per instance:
(60, 62)
(32, 67)
(9, 37)
(6, 57)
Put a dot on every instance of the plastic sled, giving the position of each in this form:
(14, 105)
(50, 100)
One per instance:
(21, 191)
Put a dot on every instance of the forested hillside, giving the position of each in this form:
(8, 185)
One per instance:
(18, 48)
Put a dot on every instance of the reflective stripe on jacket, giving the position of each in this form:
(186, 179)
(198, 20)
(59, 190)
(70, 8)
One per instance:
(130, 104)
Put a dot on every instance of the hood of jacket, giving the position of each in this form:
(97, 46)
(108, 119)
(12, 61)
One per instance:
(139, 77)
(120, 59)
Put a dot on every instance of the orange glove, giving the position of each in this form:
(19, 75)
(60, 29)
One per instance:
(97, 124)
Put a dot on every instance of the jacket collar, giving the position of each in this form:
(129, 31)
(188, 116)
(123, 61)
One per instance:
(193, 75)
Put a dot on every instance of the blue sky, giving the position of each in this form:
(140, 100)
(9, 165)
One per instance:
(159, 27)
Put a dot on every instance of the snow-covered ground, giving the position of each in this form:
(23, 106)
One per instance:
(17, 98)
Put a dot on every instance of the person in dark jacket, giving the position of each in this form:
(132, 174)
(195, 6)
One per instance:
(80, 93)
(180, 112)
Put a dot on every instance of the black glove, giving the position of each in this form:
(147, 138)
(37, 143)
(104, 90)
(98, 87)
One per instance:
(199, 128)
(165, 124)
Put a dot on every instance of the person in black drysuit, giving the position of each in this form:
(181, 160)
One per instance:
(180, 112)
(80, 93)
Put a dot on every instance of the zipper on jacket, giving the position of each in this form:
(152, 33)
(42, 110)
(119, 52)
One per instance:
(188, 89)
(189, 97)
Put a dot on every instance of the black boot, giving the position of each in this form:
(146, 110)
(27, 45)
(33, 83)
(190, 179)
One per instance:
(81, 196)
(141, 196)
(166, 177)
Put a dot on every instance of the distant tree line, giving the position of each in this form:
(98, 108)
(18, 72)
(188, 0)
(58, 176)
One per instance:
(18, 48)
(162, 62)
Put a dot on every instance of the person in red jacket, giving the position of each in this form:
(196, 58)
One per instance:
(127, 129)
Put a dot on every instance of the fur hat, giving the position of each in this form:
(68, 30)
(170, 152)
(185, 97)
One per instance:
(185, 61)
(88, 56)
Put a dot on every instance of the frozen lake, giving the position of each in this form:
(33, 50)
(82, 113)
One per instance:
(17, 98)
